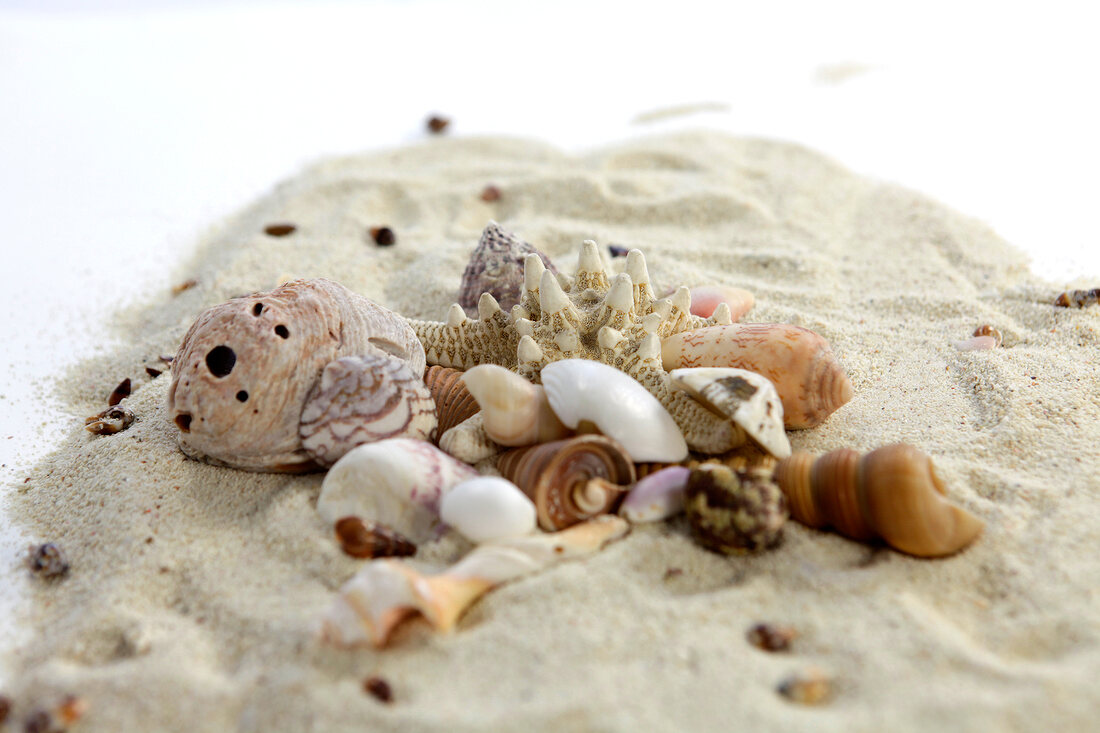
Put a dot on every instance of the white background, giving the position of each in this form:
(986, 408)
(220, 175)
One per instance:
(127, 127)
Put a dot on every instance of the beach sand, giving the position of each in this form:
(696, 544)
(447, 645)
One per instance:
(195, 591)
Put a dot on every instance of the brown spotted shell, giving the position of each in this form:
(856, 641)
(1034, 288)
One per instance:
(453, 401)
(496, 267)
(570, 480)
(734, 512)
(892, 494)
(362, 399)
(245, 368)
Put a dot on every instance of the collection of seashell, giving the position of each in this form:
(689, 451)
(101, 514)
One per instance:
(587, 395)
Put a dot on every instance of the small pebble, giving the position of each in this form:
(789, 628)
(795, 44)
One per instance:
(39, 721)
(383, 236)
(48, 561)
(186, 285)
(154, 373)
(808, 687)
(379, 688)
(279, 230)
(71, 709)
(490, 193)
(617, 250)
(437, 124)
(5, 708)
(121, 392)
(771, 637)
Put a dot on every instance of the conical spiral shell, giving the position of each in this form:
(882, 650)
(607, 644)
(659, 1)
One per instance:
(892, 494)
(570, 480)
(453, 402)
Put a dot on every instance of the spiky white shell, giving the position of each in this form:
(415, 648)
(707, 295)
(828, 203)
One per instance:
(487, 508)
(582, 390)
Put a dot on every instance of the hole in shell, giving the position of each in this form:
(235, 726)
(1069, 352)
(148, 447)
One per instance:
(282, 332)
(257, 309)
(183, 422)
(242, 396)
(220, 361)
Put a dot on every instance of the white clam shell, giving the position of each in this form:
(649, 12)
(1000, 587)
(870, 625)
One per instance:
(398, 482)
(658, 496)
(582, 390)
(487, 509)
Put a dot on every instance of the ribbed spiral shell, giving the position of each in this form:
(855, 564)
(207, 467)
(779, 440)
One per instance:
(453, 402)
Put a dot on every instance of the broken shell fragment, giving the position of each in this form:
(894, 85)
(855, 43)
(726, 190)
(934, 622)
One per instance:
(734, 512)
(244, 370)
(1078, 298)
(119, 393)
(810, 382)
(397, 482)
(984, 337)
(810, 686)
(515, 412)
(47, 561)
(658, 496)
(371, 539)
(468, 441)
(706, 298)
(771, 637)
(487, 509)
(892, 494)
(746, 398)
(496, 267)
(585, 392)
(112, 420)
(385, 592)
(453, 401)
(570, 480)
(362, 399)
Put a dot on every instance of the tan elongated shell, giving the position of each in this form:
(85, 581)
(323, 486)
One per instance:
(453, 401)
(514, 411)
(892, 494)
(570, 480)
(810, 382)
(362, 399)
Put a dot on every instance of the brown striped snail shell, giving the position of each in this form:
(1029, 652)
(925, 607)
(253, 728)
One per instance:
(892, 494)
(570, 480)
(371, 539)
(453, 401)
(733, 512)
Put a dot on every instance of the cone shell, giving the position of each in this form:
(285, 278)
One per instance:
(733, 512)
(810, 382)
(362, 399)
(706, 298)
(570, 480)
(496, 267)
(453, 402)
(892, 494)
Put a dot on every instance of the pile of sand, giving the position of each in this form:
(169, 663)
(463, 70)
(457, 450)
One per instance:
(195, 591)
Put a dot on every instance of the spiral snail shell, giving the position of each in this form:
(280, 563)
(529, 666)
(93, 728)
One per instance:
(570, 480)
(453, 402)
(892, 494)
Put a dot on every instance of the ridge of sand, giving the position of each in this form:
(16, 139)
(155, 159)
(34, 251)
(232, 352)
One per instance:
(195, 591)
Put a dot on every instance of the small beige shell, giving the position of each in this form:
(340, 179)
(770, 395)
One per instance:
(361, 399)
(515, 412)
(810, 382)
(892, 493)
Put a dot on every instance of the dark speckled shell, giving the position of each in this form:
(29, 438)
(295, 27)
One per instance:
(496, 267)
(734, 512)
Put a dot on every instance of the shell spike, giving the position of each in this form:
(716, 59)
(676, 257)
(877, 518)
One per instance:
(456, 316)
(639, 275)
(529, 351)
(532, 273)
(554, 302)
(721, 316)
(487, 306)
(590, 269)
(681, 299)
(609, 337)
(650, 348)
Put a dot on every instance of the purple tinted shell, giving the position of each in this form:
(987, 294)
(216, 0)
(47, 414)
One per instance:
(496, 267)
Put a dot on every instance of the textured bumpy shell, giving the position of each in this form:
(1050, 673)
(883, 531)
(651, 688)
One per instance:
(361, 399)
(588, 316)
(496, 267)
(892, 494)
(570, 480)
(810, 382)
(398, 482)
(453, 401)
(243, 371)
(385, 592)
(734, 512)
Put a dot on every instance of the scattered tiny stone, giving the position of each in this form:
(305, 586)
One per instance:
(167, 358)
(987, 330)
(368, 540)
(122, 391)
(437, 124)
(379, 688)
(70, 710)
(48, 561)
(1078, 298)
(490, 193)
(673, 573)
(808, 687)
(112, 420)
(185, 285)
(39, 721)
(5, 708)
(154, 373)
(383, 236)
(617, 250)
(279, 230)
(771, 637)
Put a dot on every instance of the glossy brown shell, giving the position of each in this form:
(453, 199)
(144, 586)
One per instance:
(453, 401)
